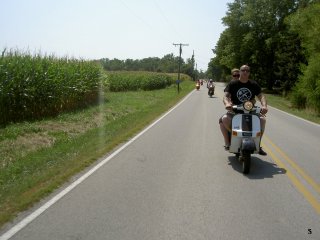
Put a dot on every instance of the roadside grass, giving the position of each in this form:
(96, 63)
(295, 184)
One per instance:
(285, 105)
(38, 157)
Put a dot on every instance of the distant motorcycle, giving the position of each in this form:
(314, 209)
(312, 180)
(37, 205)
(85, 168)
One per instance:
(197, 86)
(246, 133)
(211, 90)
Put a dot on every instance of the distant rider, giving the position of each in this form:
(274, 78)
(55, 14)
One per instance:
(210, 84)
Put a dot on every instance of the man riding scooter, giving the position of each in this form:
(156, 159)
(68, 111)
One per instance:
(237, 92)
(210, 87)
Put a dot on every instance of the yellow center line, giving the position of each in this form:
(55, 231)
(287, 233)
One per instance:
(295, 166)
(301, 188)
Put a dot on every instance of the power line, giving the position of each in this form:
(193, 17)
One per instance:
(146, 23)
(165, 17)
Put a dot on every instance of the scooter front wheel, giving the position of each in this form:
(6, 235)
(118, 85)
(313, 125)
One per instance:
(246, 162)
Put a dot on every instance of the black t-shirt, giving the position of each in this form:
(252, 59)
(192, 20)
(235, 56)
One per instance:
(241, 92)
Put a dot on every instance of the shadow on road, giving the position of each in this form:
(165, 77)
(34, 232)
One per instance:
(260, 169)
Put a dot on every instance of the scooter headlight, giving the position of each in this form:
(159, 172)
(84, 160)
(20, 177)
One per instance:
(248, 105)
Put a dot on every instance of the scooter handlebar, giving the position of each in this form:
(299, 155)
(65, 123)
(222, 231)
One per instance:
(240, 107)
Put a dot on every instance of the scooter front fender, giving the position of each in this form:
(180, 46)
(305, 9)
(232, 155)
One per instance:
(248, 145)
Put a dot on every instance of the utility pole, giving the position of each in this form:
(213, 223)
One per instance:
(196, 70)
(193, 70)
(180, 51)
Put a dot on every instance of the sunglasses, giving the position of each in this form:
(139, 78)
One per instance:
(236, 75)
(245, 70)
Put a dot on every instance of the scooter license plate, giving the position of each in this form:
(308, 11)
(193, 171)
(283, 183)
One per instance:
(247, 134)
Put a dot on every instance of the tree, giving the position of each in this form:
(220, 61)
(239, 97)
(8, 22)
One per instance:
(188, 67)
(255, 35)
(288, 57)
(307, 91)
(215, 70)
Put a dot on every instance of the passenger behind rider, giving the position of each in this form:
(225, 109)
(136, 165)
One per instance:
(235, 73)
(238, 91)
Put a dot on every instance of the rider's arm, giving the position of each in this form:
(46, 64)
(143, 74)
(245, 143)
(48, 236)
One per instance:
(227, 100)
(264, 106)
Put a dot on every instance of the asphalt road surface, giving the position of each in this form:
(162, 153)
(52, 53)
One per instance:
(176, 181)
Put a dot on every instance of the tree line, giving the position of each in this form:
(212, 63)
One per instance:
(167, 64)
(279, 40)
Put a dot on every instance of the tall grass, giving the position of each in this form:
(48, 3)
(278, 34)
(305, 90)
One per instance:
(35, 86)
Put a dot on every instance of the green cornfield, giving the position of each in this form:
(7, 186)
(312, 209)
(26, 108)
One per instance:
(35, 86)
(133, 81)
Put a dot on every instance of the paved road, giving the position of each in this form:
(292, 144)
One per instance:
(175, 181)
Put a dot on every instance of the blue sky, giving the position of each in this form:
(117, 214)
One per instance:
(94, 29)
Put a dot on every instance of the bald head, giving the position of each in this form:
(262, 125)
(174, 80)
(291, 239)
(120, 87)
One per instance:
(244, 73)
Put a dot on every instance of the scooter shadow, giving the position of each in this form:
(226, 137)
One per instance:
(259, 169)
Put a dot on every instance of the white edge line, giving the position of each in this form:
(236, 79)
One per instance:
(24, 222)
(305, 120)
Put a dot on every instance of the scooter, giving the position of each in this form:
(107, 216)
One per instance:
(211, 90)
(197, 86)
(246, 133)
